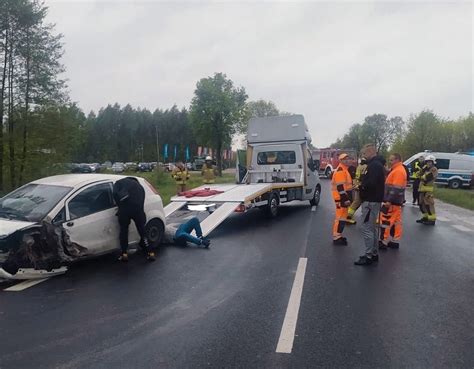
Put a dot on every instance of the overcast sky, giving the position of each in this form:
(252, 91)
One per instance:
(333, 62)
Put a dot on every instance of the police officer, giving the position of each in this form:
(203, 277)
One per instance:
(129, 196)
(181, 175)
(208, 171)
(426, 189)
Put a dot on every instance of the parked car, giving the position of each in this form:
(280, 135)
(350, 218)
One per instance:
(118, 167)
(81, 168)
(189, 166)
(169, 167)
(455, 170)
(198, 162)
(131, 166)
(61, 219)
(144, 167)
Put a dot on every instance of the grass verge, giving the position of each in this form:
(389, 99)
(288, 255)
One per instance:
(463, 197)
(166, 186)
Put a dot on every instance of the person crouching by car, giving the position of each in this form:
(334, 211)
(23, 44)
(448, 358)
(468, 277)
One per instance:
(129, 196)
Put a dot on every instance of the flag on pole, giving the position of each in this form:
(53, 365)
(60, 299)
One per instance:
(199, 150)
(175, 152)
(165, 151)
(188, 156)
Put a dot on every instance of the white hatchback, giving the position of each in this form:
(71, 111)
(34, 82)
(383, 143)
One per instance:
(80, 210)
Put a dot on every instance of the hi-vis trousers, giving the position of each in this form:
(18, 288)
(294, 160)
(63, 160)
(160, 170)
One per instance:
(339, 221)
(391, 227)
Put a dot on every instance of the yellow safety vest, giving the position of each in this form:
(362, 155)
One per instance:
(180, 176)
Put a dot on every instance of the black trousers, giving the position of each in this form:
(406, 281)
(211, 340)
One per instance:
(416, 193)
(139, 218)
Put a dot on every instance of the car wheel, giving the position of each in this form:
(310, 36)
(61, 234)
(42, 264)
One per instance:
(154, 232)
(328, 173)
(455, 184)
(272, 207)
(316, 197)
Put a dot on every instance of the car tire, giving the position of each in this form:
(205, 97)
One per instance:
(455, 184)
(272, 208)
(328, 173)
(316, 197)
(154, 231)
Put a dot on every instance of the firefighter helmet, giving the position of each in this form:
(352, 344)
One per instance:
(430, 158)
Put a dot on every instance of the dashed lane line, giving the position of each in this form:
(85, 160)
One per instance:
(313, 208)
(287, 334)
(461, 228)
(24, 285)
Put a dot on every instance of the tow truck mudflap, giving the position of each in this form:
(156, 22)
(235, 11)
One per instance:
(30, 273)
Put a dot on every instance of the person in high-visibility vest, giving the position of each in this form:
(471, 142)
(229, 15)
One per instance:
(426, 189)
(342, 195)
(416, 175)
(208, 171)
(356, 202)
(181, 175)
(391, 227)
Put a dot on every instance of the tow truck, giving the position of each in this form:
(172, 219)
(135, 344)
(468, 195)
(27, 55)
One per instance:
(279, 168)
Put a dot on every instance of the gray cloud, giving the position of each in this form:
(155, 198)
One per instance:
(333, 62)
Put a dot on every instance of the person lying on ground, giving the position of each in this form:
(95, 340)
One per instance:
(182, 234)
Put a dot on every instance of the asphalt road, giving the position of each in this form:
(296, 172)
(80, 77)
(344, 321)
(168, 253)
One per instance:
(224, 307)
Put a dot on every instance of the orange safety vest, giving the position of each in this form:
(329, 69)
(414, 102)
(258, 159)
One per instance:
(395, 185)
(342, 184)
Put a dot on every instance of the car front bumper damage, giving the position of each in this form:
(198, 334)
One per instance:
(40, 251)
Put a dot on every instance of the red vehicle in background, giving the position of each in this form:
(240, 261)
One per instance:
(329, 160)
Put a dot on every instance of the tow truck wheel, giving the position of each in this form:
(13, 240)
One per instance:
(328, 173)
(272, 207)
(316, 197)
(154, 232)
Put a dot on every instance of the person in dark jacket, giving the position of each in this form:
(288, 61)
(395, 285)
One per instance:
(129, 196)
(371, 193)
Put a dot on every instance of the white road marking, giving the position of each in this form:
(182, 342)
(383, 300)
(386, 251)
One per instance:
(313, 208)
(287, 335)
(443, 219)
(461, 228)
(24, 285)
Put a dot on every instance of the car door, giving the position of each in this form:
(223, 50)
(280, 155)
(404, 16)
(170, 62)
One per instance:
(91, 219)
(311, 175)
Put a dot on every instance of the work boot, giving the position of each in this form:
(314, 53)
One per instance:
(341, 241)
(429, 222)
(365, 260)
(123, 257)
(393, 245)
(382, 246)
(150, 256)
(375, 258)
(422, 220)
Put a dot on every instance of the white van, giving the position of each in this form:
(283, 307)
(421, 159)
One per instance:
(454, 169)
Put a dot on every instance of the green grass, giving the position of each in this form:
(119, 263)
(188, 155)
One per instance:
(166, 186)
(463, 197)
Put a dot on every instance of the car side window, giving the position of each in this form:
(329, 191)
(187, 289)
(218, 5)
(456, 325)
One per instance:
(442, 163)
(91, 200)
(311, 163)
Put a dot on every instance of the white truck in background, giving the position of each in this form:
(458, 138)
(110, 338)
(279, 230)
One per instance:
(279, 168)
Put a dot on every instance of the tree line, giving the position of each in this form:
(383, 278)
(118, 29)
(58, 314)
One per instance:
(423, 131)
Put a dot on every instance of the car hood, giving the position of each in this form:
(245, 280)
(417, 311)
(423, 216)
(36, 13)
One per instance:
(7, 226)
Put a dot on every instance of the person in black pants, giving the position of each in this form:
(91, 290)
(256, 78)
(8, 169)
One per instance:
(129, 196)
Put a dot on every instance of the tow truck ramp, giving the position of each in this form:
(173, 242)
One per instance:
(231, 197)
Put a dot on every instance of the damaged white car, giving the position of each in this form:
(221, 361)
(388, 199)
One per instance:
(49, 223)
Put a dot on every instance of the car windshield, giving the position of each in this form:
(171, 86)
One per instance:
(31, 202)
